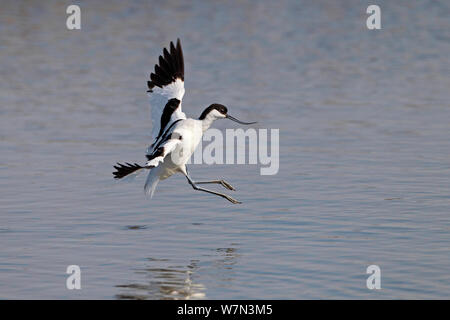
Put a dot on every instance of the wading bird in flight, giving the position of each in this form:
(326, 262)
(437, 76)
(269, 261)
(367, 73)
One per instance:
(175, 137)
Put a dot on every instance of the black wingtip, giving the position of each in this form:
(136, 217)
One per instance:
(170, 67)
(124, 170)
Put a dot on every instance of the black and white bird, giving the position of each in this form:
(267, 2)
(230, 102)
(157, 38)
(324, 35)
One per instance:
(175, 137)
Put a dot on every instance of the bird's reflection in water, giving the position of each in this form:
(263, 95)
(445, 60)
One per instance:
(224, 265)
(163, 280)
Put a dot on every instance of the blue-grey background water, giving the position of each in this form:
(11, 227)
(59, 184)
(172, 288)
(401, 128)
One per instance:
(364, 151)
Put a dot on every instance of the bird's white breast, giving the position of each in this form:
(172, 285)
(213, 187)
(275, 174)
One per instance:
(191, 133)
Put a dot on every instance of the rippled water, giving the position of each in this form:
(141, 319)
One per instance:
(364, 151)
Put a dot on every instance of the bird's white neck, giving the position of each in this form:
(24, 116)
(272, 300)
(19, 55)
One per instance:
(207, 122)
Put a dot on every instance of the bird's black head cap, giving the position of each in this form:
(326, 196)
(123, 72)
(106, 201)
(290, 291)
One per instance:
(215, 106)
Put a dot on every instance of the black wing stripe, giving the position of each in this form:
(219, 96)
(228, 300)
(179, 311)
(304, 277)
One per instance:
(173, 55)
(170, 107)
(165, 136)
(159, 152)
(180, 58)
(168, 58)
(156, 78)
(170, 68)
(164, 65)
(161, 71)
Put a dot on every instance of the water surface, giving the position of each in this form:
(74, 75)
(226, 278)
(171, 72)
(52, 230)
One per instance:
(364, 151)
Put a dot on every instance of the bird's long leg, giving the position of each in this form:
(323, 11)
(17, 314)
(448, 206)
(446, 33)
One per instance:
(221, 182)
(193, 184)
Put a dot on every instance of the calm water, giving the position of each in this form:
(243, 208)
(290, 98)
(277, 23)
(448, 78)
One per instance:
(364, 119)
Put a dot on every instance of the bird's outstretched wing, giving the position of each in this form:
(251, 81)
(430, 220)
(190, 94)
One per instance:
(166, 91)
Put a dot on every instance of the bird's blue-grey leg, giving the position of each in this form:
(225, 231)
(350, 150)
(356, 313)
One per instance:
(193, 184)
(221, 182)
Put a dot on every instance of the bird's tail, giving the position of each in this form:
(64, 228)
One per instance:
(127, 169)
(151, 182)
